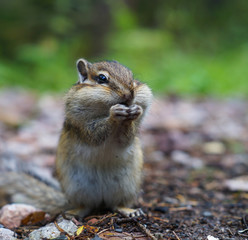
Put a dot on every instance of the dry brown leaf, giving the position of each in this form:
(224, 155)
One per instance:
(33, 218)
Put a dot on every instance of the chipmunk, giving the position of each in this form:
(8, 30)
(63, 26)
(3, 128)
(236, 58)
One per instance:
(99, 158)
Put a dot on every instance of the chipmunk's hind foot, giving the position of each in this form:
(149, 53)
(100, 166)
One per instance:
(129, 212)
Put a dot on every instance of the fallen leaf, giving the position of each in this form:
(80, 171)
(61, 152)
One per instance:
(33, 218)
(87, 228)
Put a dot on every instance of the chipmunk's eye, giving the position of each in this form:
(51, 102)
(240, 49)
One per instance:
(101, 78)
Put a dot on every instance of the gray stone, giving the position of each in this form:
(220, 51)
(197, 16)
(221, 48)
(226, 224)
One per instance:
(51, 231)
(6, 234)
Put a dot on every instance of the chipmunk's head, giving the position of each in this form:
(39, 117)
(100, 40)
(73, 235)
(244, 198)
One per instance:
(102, 85)
(109, 78)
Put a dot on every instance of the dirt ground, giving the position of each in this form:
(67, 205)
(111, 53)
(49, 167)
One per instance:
(195, 171)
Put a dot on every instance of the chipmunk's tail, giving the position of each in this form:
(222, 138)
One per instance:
(22, 188)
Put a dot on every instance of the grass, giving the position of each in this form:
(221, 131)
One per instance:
(153, 57)
(168, 68)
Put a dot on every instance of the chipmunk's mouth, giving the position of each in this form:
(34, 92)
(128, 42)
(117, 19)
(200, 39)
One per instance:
(125, 104)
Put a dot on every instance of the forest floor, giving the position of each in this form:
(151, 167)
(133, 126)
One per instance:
(195, 171)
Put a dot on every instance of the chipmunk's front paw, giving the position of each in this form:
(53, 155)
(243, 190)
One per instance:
(134, 112)
(121, 112)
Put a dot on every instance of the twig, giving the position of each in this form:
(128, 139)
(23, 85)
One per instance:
(243, 231)
(160, 219)
(178, 238)
(63, 231)
(104, 230)
(104, 218)
(145, 230)
(141, 227)
(229, 230)
(187, 208)
(59, 228)
(243, 235)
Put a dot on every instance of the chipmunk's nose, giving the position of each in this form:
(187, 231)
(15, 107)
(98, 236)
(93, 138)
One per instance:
(127, 98)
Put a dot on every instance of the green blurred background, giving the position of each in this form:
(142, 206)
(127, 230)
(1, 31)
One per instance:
(196, 47)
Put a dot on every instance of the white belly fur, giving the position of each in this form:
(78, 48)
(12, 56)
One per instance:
(104, 175)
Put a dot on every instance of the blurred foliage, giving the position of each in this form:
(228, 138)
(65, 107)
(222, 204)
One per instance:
(194, 47)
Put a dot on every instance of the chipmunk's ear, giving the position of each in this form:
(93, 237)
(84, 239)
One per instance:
(83, 68)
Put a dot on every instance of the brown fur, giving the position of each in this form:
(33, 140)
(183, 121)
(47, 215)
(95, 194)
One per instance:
(99, 158)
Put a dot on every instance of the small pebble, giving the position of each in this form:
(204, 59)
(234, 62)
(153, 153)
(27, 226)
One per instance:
(96, 238)
(212, 238)
(214, 148)
(207, 214)
(118, 228)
